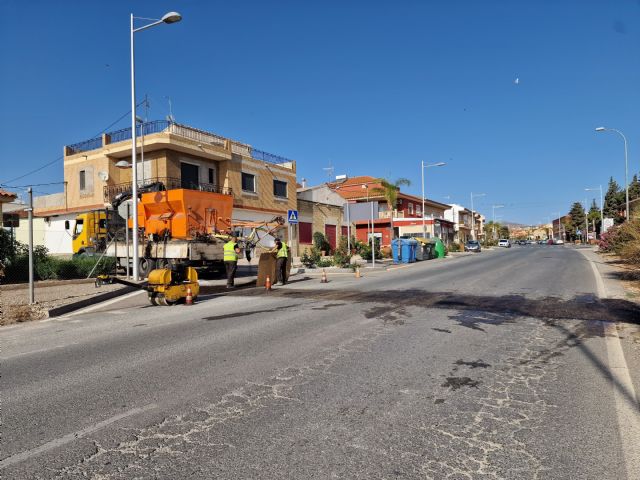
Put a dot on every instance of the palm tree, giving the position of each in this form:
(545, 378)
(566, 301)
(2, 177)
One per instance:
(389, 191)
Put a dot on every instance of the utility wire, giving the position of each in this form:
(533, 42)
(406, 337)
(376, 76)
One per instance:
(4, 184)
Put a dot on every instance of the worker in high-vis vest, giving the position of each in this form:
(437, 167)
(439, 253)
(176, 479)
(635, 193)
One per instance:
(282, 254)
(231, 255)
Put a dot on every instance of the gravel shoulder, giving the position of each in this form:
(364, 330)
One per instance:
(14, 299)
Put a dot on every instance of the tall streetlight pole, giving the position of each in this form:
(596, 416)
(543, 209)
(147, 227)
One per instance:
(601, 205)
(171, 17)
(626, 165)
(473, 215)
(439, 164)
(493, 218)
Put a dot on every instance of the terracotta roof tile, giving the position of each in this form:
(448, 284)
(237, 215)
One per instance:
(6, 194)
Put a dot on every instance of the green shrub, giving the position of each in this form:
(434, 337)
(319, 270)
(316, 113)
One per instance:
(341, 256)
(321, 243)
(310, 258)
(323, 263)
(454, 247)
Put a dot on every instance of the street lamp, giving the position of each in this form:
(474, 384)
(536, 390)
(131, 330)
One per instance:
(473, 215)
(626, 165)
(171, 17)
(601, 206)
(439, 164)
(493, 216)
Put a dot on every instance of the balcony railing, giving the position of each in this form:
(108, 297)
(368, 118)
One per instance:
(85, 146)
(158, 126)
(161, 184)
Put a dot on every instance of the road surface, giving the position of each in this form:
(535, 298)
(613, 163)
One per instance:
(495, 365)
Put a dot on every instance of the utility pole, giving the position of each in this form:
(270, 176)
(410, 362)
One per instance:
(30, 213)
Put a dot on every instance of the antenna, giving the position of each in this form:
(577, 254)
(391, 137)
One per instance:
(329, 171)
(170, 117)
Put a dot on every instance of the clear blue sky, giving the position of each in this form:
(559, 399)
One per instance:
(370, 87)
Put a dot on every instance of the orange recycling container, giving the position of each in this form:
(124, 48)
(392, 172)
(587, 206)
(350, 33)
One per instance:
(184, 214)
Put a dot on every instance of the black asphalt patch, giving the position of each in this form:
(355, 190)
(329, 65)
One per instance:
(476, 309)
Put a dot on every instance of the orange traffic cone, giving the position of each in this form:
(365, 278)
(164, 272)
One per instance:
(267, 283)
(189, 299)
(323, 279)
(357, 273)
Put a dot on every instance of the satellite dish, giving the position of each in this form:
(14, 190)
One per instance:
(104, 176)
(122, 208)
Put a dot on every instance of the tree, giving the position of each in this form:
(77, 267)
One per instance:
(503, 231)
(390, 190)
(614, 201)
(594, 216)
(577, 218)
(634, 188)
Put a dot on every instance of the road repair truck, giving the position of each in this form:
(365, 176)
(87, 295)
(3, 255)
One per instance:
(176, 227)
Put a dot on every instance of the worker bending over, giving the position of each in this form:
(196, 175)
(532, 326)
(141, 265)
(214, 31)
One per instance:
(231, 255)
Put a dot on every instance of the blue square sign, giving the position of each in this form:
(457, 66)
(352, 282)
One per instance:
(292, 217)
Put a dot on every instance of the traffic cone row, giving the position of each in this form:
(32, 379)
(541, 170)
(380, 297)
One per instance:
(323, 279)
(189, 299)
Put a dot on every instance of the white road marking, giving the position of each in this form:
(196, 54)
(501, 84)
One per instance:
(627, 409)
(58, 442)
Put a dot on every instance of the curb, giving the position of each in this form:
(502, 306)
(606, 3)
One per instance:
(64, 309)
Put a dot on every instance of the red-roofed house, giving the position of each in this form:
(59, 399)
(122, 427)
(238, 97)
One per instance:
(406, 219)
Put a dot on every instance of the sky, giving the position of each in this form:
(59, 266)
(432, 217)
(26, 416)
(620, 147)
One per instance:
(507, 93)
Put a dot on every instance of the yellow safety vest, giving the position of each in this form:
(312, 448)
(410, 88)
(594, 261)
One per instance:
(230, 254)
(283, 252)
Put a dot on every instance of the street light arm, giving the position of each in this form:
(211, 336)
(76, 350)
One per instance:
(144, 27)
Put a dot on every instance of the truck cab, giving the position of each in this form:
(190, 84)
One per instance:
(89, 232)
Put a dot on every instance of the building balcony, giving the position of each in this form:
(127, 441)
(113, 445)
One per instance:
(164, 127)
(110, 192)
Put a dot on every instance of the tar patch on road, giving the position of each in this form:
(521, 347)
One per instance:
(476, 309)
(454, 383)
(475, 364)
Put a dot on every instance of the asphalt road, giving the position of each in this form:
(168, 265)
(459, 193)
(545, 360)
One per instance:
(496, 365)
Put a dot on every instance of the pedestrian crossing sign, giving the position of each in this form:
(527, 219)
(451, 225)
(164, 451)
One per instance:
(292, 217)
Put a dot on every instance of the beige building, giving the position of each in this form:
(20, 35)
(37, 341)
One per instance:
(320, 209)
(263, 185)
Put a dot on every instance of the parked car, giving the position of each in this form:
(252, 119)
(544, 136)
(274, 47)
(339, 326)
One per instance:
(472, 246)
(558, 241)
(503, 242)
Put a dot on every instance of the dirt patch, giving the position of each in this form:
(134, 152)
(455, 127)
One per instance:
(14, 299)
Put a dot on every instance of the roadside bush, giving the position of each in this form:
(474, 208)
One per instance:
(324, 263)
(341, 256)
(454, 247)
(310, 258)
(46, 267)
(619, 236)
(321, 243)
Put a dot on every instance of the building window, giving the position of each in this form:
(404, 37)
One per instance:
(248, 182)
(304, 230)
(411, 209)
(212, 176)
(280, 189)
(83, 180)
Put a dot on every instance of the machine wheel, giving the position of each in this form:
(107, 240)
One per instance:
(163, 263)
(153, 299)
(145, 266)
